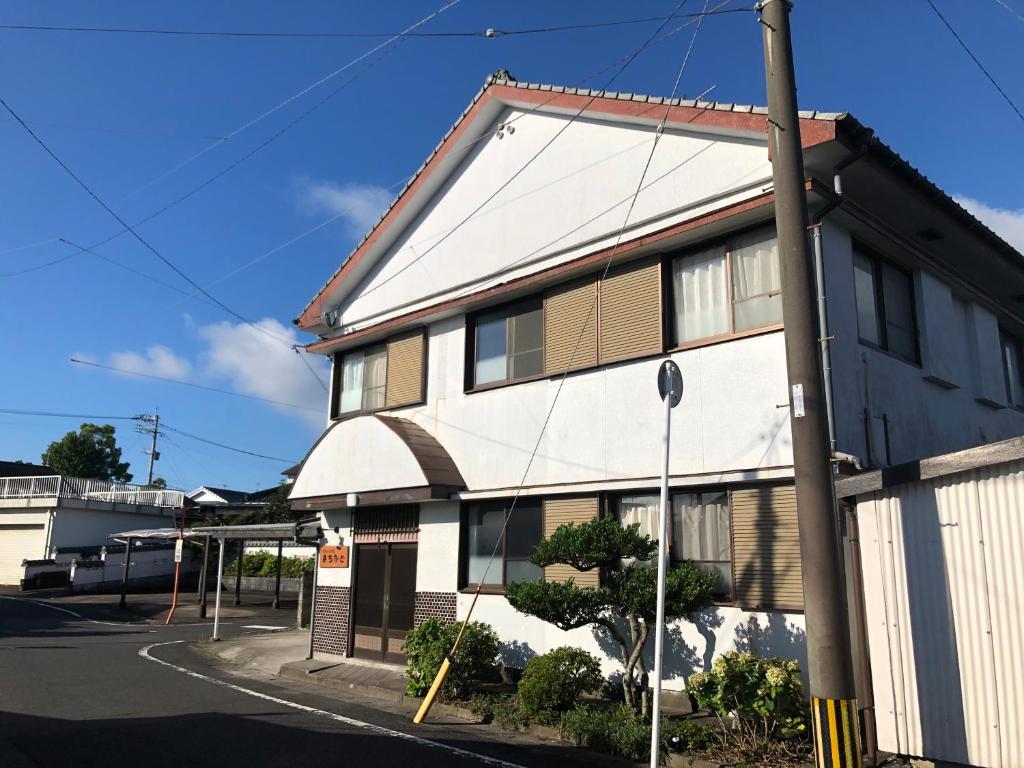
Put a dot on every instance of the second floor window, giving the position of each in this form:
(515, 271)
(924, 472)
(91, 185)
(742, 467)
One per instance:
(363, 379)
(381, 376)
(509, 343)
(1013, 372)
(727, 289)
(885, 306)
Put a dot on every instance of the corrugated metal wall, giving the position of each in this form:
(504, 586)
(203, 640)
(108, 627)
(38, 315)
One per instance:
(943, 569)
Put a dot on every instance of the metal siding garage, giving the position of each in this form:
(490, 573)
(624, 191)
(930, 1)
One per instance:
(20, 541)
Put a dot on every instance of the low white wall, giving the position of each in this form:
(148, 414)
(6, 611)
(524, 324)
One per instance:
(145, 564)
(690, 646)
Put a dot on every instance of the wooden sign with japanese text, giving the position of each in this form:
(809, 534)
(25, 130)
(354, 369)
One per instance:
(334, 557)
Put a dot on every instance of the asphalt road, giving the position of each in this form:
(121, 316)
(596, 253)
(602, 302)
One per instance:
(79, 690)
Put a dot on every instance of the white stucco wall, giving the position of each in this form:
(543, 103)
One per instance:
(340, 519)
(574, 199)
(75, 527)
(607, 424)
(954, 399)
(437, 555)
(690, 646)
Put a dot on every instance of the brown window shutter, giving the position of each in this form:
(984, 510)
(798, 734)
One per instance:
(406, 362)
(565, 310)
(631, 312)
(559, 512)
(766, 548)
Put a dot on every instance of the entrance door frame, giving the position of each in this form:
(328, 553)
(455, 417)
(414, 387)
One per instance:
(389, 545)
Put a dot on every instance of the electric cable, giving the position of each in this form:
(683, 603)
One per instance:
(975, 59)
(226, 447)
(608, 263)
(306, 35)
(21, 412)
(629, 60)
(1010, 9)
(193, 385)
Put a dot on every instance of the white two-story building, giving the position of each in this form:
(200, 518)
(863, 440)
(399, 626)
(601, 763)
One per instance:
(451, 326)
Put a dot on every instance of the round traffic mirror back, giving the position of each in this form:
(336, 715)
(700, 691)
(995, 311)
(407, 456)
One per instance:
(670, 382)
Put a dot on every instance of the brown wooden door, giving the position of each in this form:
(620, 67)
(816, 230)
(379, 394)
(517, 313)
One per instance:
(384, 600)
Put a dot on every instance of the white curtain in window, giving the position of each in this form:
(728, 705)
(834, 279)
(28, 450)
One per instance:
(702, 520)
(701, 295)
(375, 371)
(643, 510)
(757, 281)
(351, 382)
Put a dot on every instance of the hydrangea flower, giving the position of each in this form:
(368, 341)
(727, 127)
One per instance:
(775, 675)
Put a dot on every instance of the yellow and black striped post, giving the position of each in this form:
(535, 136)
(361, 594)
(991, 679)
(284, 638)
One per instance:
(836, 733)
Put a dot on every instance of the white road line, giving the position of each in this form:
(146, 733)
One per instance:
(65, 610)
(378, 729)
(97, 621)
(262, 626)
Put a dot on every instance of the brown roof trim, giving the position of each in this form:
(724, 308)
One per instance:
(813, 130)
(438, 467)
(931, 468)
(325, 346)
(418, 494)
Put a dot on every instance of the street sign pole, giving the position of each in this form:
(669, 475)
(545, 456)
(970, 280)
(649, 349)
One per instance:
(670, 387)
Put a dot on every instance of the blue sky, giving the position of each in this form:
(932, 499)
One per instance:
(122, 110)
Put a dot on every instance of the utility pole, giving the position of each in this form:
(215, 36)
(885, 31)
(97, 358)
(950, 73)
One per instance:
(830, 668)
(154, 455)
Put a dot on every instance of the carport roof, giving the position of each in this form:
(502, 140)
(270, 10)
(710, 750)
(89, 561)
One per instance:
(261, 531)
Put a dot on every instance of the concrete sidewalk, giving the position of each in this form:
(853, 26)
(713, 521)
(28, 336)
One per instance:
(284, 654)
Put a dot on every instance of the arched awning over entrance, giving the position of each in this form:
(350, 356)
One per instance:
(379, 459)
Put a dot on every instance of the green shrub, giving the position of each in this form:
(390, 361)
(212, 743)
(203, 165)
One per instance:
(476, 661)
(687, 736)
(614, 730)
(507, 713)
(554, 682)
(265, 564)
(765, 700)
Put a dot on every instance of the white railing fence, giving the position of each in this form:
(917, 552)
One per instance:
(57, 486)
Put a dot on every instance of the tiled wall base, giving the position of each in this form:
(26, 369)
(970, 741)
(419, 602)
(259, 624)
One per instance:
(330, 633)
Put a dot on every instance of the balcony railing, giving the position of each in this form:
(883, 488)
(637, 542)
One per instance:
(60, 487)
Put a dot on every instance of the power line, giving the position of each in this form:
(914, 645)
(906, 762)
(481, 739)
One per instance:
(490, 33)
(629, 60)
(1010, 9)
(974, 58)
(20, 412)
(590, 311)
(226, 447)
(193, 385)
(142, 240)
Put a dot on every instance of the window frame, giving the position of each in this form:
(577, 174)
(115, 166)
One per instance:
(728, 243)
(464, 584)
(472, 343)
(1006, 338)
(337, 373)
(878, 263)
(726, 599)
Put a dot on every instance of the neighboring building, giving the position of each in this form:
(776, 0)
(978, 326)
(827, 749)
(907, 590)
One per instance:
(21, 469)
(451, 324)
(41, 515)
(226, 501)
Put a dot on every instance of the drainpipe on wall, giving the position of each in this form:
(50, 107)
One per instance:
(819, 276)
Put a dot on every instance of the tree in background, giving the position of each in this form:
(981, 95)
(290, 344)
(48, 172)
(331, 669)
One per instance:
(90, 452)
(624, 605)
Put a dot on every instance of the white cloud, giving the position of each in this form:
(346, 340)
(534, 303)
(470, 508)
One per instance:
(361, 205)
(158, 361)
(259, 365)
(1006, 223)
